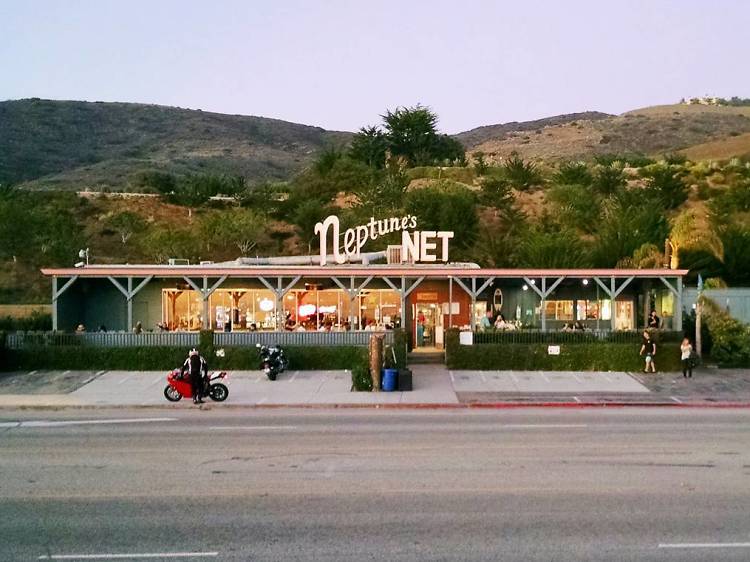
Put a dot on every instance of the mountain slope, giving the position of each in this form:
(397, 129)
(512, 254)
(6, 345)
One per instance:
(479, 135)
(652, 131)
(83, 145)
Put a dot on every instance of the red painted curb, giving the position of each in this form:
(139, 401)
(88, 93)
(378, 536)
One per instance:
(416, 406)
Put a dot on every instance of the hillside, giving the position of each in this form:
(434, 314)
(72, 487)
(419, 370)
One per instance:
(652, 131)
(479, 135)
(81, 145)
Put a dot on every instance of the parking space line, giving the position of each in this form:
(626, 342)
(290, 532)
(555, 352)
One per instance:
(706, 545)
(112, 556)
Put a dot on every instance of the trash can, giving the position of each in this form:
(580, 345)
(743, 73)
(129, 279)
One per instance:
(404, 379)
(390, 380)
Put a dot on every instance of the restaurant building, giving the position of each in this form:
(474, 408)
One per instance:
(425, 299)
(348, 289)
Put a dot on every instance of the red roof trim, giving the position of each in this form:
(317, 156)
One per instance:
(377, 271)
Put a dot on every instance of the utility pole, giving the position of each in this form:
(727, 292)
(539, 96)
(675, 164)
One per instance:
(698, 314)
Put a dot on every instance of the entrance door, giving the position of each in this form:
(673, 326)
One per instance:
(428, 322)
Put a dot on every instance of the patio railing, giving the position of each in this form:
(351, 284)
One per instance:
(26, 340)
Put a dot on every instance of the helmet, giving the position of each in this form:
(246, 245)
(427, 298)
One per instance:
(193, 352)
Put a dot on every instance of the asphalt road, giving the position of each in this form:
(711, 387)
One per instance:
(551, 485)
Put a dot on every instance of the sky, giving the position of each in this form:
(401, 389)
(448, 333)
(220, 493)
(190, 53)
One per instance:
(341, 64)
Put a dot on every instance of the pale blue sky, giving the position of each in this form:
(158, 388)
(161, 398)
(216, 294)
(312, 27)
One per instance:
(340, 64)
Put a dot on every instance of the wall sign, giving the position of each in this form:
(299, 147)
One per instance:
(430, 297)
(424, 246)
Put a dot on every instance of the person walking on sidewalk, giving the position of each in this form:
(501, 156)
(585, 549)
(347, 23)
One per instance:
(648, 348)
(686, 357)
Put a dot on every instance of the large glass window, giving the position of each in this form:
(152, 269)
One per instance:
(559, 310)
(593, 310)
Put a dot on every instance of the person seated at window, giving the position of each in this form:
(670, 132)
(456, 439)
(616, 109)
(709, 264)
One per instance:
(578, 326)
(485, 324)
(253, 327)
(300, 328)
(654, 322)
(567, 327)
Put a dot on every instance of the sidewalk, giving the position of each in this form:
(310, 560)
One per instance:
(434, 386)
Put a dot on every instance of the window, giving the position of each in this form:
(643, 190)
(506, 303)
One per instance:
(559, 310)
(593, 310)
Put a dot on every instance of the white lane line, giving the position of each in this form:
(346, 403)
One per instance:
(294, 376)
(706, 545)
(127, 556)
(230, 427)
(453, 379)
(577, 399)
(542, 425)
(10, 424)
(262, 400)
(676, 399)
(32, 373)
(48, 423)
(124, 379)
(65, 373)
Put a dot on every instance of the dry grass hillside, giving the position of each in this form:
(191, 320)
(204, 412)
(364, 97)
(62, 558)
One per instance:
(652, 131)
(101, 146)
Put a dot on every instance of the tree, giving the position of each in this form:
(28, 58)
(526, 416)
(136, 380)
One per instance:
(480, 164)
(445, 206)
(306, 216)
(126, 224)
(163, 242)
(666, 182)
(522, 175)
(573, 173)
(552, 248)
(628, 221)
(578, 206)
(382, 195)
(411, 133)
(369, 146)
(496, 192)
(608, 179)
(242, 228)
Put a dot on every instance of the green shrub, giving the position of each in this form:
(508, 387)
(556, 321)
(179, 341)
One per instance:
(730, 338)
(522, 175)
(361, 378)
(36, 322)
(573, 356)
(158, 358)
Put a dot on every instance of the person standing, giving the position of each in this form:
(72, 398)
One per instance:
(686, 353)
(197, 367)
(654, 322)
(648, 348)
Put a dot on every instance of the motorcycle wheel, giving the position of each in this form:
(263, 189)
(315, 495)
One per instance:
(218, 392)
(171, 394)
(271, 376)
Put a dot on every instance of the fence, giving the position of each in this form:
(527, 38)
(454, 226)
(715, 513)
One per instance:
(190, 339)
(25, 340)
(594, 336)
(335, 339)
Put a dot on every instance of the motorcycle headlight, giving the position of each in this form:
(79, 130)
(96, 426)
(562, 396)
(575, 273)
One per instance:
(267, 370)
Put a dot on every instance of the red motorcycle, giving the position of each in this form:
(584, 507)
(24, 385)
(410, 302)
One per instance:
(179, 386)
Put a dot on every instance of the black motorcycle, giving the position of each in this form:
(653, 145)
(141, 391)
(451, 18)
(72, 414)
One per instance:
(272, 360)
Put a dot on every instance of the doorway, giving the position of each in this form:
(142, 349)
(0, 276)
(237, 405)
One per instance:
(428, 326)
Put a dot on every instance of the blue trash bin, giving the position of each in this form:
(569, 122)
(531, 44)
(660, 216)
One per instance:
(390, 380)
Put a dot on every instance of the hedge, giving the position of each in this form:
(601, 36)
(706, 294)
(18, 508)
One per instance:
(573, 357)
(165, 358)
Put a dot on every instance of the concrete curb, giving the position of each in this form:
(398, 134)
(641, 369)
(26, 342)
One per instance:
(415, 406)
